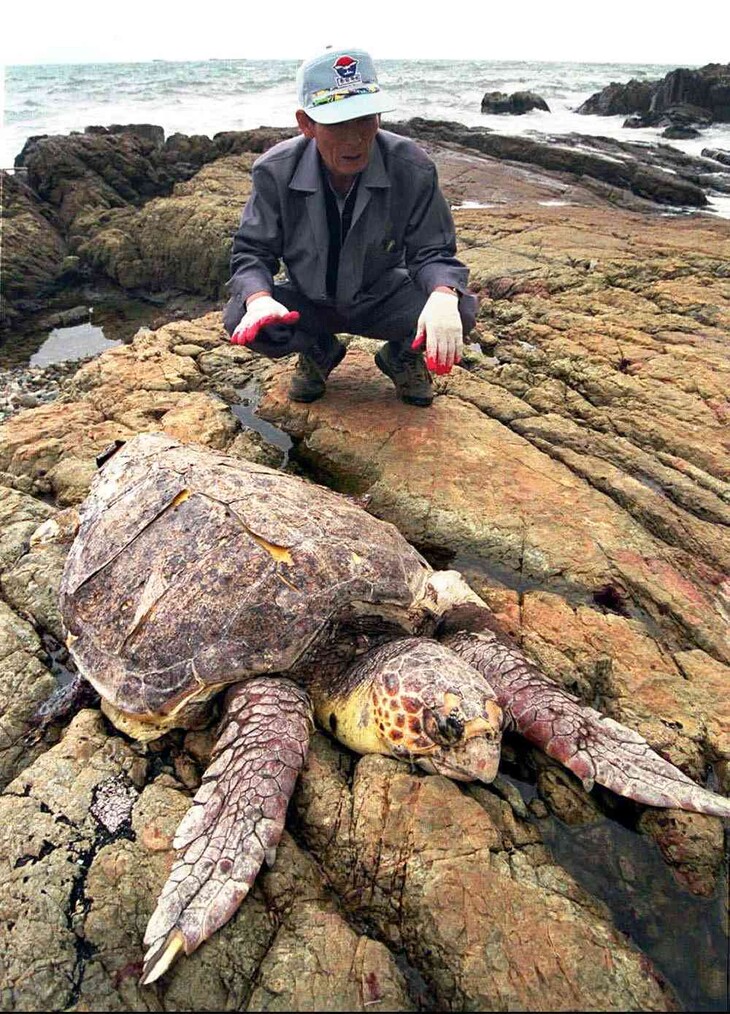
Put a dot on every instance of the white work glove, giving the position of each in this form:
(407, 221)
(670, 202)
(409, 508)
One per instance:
(439, 326)
(262, 311)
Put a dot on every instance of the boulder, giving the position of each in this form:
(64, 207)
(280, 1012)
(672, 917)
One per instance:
(190, 151)
(235, 142)
(146, 131)
(617, 99)
(717, 154)
(680, 116)
(177, 242)
(33, 249)
(706, 88)
(93, 172)
(515, 104)
(680, 133)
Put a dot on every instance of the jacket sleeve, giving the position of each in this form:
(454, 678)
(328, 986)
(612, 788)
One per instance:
(430, 241)
(257, 245)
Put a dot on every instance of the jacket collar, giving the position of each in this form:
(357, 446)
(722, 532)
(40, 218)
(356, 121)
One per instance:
(308, 176)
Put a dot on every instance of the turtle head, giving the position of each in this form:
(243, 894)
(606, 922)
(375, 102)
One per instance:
(448, 727)
(416, 700)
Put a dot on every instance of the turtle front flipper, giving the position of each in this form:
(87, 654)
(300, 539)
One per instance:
(236, 819)
(592, 746)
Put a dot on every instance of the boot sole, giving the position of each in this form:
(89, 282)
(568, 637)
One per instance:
(306, 398)
(408, 399)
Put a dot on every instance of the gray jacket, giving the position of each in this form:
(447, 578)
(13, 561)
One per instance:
(401, 226)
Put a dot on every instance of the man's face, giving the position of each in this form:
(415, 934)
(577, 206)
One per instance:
(344, 147)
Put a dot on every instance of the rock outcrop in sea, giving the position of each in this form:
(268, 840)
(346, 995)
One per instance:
(681, 99)
(516, 104)
(576, 468)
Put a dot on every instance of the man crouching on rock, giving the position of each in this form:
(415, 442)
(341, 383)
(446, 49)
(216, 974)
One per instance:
(357, 216)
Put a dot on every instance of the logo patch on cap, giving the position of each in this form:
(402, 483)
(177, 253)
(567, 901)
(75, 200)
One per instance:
(345, 68)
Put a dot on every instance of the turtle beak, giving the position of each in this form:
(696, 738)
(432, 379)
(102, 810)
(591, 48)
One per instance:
(477, 760)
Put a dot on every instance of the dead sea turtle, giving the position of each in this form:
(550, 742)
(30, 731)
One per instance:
(193, 572)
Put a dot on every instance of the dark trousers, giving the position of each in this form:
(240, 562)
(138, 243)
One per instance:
(392, 319)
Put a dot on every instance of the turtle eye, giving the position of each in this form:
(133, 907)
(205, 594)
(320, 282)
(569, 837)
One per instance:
(443, 727)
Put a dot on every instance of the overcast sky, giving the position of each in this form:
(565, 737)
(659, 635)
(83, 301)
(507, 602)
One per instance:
(626, 31)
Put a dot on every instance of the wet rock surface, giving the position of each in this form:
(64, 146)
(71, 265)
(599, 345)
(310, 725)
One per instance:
(649, 173)
(577, 470)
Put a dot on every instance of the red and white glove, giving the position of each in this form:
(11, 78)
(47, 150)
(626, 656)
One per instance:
(440, 327)
(261, 311)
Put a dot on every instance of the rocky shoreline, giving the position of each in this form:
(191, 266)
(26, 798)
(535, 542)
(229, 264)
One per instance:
(576, 469)
(126, 206)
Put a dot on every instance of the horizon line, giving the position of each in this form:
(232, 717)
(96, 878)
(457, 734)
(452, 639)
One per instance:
(381, 59)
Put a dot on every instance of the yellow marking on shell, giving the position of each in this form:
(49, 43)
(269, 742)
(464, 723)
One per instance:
(143, 728)
(201, 691)
(279, 553)
(181, 497)
(70, 638)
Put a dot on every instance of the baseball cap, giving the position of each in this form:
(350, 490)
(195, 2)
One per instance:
(339, 85)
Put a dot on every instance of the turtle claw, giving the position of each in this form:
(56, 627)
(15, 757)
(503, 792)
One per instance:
(159, 958)
(236, 819)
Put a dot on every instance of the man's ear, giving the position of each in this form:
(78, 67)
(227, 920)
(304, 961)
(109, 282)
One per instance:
(305, 124)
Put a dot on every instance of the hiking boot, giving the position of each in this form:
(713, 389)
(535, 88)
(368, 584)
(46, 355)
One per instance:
(409, 373)
(313, 368)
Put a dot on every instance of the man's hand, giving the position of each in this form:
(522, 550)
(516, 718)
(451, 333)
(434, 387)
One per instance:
(440, 327)
(260, 311)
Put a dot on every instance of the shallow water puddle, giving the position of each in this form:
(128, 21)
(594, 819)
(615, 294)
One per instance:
(70, 343)
(245, 411)
(684, 935)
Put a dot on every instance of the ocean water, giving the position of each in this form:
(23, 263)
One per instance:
(204, 97)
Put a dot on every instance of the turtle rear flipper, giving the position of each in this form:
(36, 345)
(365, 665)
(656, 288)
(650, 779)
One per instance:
(595, 748)
(236, 820)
